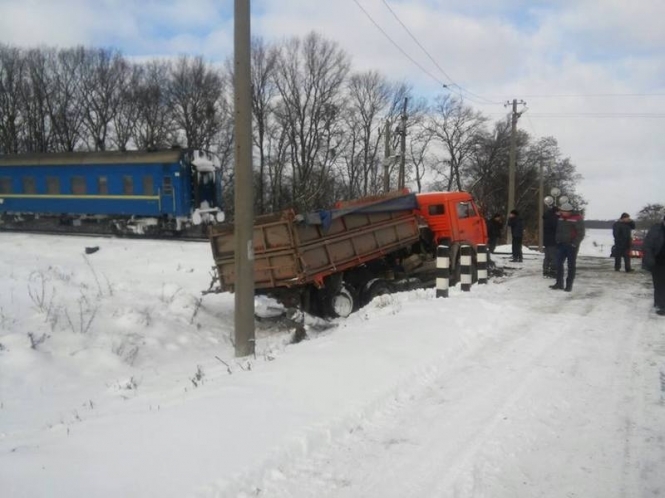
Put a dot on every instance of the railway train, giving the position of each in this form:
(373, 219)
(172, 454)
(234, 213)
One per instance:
(135, 192)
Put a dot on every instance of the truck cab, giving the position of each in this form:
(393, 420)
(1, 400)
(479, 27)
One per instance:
(453, 218)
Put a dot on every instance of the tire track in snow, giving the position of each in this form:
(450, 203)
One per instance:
(388, 434)
(468, 425)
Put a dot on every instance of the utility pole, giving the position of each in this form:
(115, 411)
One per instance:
(511, 164)
(402, 158)
(541, 207)
(386, 160)
(244, 195)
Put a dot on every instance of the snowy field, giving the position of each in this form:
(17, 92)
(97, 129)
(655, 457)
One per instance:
(117, 379)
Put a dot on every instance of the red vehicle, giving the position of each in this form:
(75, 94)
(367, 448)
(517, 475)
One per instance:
(331, 262)
(636, 246)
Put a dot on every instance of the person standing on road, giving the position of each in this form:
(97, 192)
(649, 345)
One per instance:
(494, 229)
(569, 235)
(623, 238)
(550, 220)
(517, 231)
(653, 260)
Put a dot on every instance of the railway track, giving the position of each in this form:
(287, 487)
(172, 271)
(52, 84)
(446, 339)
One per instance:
(101, 234)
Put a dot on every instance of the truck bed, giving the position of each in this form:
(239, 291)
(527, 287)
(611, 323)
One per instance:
(292, 250)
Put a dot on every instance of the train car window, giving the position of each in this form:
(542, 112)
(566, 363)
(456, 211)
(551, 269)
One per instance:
(78, 185)
(148, 188)
(52, 185)
(127, 185)
(5, 185)
(436, 209)
(167, 186)
(29, 185)
(103, 185)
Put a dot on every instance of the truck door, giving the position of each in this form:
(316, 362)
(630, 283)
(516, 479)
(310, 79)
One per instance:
(471, 224)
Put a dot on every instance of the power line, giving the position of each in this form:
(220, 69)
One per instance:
(574, 95)
(608, 115)
(396, 45)
(413, 37)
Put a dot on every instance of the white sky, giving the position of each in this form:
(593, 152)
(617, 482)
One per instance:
(591, 71)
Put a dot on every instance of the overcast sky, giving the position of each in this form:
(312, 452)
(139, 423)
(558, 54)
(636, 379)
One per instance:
(591, 71)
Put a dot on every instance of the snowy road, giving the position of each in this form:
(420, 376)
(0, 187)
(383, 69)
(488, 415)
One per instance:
(111, 385)
(554, 406)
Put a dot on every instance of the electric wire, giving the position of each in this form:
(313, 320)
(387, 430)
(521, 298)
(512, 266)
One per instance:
(425, 51)
(396, 45)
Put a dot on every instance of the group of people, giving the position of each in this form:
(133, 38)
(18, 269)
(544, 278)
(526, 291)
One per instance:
(563, 231)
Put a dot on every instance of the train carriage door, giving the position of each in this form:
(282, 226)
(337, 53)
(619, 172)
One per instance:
(167, 195)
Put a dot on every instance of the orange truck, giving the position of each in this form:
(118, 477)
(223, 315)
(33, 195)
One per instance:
(331, 262)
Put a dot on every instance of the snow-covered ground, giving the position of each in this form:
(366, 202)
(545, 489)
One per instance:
(117, 379)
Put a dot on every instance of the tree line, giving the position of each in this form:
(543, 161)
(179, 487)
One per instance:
(319, 126)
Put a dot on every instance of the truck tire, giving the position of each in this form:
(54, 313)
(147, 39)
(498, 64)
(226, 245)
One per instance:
(342, 303)
(374, 288)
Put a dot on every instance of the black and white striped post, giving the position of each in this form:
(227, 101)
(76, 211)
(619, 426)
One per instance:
(442, 271)
(482, 257)
(465, 268)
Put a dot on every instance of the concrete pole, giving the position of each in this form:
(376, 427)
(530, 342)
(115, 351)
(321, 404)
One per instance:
(402, 163)
(541, 207)
(244, 195)
(511, 168)
(386, 160)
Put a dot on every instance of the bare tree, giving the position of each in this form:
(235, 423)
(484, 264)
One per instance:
(650, 215)
(103, 73)
(310, 75)
(154, 124)
(194, 92)
(65, 106)
(418, 154)
(488, 168)
(367, 103)
(34, 94)
(455, 126)
(12, 73)
(125, 121)
(264, 92)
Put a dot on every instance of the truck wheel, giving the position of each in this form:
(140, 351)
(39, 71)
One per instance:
(342, 302)
(374, 288)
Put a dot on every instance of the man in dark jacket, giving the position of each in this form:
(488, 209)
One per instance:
(653, 260)
(623, 238)
(517, 232)
(569, 235)
(550, 220)
(494, 229)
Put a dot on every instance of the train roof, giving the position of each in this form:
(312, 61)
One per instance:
(83, 158)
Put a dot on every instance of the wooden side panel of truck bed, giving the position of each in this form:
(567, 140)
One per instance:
(288, 252)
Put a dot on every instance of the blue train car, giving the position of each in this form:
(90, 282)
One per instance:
(135, 191)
